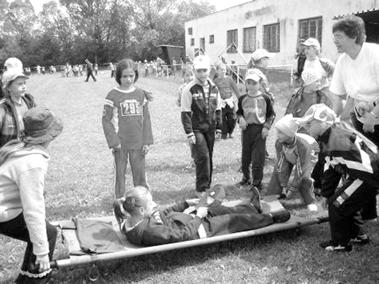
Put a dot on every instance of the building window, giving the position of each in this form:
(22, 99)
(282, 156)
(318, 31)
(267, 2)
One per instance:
(211, 38)
(202, 44)
(310, 28)
(192, 41)
(249, 35)
(189, 31)
(232, 41)
(271, 37)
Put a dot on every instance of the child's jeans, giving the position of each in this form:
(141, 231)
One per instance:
(202, 153)
(305, 187)
(137, 164)
(16, 228)
(253, 151)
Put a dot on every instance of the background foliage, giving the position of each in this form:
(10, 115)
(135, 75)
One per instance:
(101, 30)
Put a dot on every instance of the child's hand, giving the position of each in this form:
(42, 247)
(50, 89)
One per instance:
(202, 212)
(363, 107)
(192, 140)
(117, 148)
(242, 123)
(264, 133)
(43, 262)
(145, 149)
(218, 135)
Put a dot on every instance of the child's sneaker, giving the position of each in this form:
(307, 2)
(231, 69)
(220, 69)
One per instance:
(336, 247)
(256, 199)
(119, 212)
(214, 195)
(360, 240)
(244, 182)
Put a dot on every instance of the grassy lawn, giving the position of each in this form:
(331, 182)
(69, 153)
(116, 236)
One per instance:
(80, 183)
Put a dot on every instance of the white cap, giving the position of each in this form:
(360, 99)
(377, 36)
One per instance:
(310, 76)
(261, 53)
(13, 62)
(10, 75)
(252, 75)
(201, 62)
(319, 112)
(312, 42)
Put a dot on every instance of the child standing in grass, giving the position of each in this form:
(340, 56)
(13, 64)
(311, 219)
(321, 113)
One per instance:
(127, 125)
(255, 116)
(229, 94)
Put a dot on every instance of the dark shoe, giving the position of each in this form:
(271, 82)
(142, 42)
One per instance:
(258, 185)
(280, 216)
(256, 199)
(282, 196)
(224, 136)
(244, 182)
(335, 247)
(119, 212)
(360, 240)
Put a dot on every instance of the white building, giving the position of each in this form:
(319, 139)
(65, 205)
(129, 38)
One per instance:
(276, 25)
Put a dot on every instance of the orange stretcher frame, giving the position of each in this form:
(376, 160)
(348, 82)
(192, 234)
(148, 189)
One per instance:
(72, 244)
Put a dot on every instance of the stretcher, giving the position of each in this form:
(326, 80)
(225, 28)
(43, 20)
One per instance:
(129, 250)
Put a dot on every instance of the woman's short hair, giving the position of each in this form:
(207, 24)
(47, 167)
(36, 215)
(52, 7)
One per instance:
(125, 64)
(353, 27)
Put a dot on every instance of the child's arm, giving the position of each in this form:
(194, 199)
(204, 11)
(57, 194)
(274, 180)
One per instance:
(235, 88)
(109, 129)
(147, 131)
(270, 113)
(186, 103)
(218, 114)
(240, 115)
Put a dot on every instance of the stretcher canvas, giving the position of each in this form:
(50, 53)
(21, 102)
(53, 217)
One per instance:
(127, 249)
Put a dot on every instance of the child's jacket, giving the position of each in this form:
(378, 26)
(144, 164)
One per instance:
(302, 154)
(126, 119)
(256, 110)
(201, 110)
(167, 226)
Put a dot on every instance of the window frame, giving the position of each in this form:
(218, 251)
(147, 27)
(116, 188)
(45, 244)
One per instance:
(192, 42)
(250, 49)
(308, 21)
(270, 44)
(190, 31)
(211, 39)
(229, 41)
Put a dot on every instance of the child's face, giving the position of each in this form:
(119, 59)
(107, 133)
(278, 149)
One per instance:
(202, 75)
(252, 86)
(264, 62)
(282, 137)
(310, 51)
(150, 205)
(18, 87)
(221, 71)
(188, 77)
(127, 77)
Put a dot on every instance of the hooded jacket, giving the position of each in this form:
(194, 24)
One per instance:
(22, 177)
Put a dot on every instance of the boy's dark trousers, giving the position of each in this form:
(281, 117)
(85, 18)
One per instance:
(226, 220)
(344, 219)
(228, 121)
(137, 164)
(253, 151)
(202, 152)
(90, 73)
(16, 228)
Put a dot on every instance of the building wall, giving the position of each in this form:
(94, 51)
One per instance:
(262, 12)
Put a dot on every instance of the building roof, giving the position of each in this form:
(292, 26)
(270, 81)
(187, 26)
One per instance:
(168, 45)
(369, 12)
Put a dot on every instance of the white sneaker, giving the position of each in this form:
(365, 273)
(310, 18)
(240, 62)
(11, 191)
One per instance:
(312, 207)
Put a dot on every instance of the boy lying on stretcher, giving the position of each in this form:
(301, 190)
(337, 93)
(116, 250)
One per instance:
(144, 224)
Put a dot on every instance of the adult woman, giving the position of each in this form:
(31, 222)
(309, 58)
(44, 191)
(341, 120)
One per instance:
(23, 165)
(356, 76)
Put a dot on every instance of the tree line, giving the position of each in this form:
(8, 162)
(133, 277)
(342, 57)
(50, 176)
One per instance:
(101, 30)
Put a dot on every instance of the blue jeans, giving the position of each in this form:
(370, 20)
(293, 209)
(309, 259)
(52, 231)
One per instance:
(16, 229)
(202, 153)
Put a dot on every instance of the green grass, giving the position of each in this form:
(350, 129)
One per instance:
(80, 182)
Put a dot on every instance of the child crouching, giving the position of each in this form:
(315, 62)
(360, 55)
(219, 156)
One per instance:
(294, 150)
